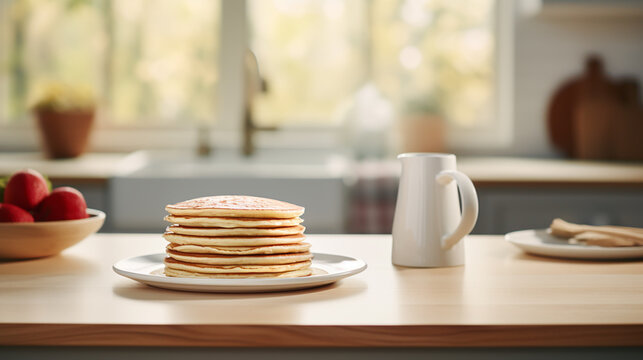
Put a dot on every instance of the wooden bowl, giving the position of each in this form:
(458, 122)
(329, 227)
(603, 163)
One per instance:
(39, 239)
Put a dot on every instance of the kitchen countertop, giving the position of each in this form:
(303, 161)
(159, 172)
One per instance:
(508, 171)
(484, 171)
(88, 168)
(502, 297)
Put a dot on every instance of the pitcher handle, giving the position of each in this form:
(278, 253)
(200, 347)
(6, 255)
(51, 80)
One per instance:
(469, 206)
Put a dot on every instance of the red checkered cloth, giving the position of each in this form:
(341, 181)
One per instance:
(373, 197)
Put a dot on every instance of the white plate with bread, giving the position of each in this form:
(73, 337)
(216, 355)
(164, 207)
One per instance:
(542, 242)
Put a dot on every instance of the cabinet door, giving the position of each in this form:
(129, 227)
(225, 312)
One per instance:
(505, 210)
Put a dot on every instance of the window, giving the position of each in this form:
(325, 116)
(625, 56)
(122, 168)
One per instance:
(422, 53)
(312, 56)
(158, 64)
(436, 54)
(150, 62)
(162, 61)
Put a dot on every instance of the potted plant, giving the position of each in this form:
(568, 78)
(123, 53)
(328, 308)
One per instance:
(421, 126)
(65, 115)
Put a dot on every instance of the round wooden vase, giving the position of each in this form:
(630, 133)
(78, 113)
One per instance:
(65, 134)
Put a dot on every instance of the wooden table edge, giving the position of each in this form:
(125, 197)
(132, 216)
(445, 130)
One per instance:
(320, 336)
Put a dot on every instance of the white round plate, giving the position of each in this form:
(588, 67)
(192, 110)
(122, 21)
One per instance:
(327, 268)
(540, 242)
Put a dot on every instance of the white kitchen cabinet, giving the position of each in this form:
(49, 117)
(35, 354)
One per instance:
(515, 208)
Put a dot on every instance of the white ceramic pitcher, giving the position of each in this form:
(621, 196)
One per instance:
(428, 225)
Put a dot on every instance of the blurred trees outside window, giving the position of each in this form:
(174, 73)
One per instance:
(155, 62)
(152, 62)
(422, 54)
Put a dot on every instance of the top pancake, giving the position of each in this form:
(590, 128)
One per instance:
(235, 206)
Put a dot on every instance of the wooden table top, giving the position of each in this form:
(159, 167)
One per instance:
(502, 297)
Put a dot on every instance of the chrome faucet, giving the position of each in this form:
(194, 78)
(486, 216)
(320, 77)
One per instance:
(253, 83)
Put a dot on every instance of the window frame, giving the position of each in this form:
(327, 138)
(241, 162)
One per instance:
(500, 135)
(226, 132)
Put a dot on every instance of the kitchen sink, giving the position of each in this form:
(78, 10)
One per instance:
(146, 181)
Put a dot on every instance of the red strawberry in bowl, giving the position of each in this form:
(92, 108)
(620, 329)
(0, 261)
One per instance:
(12, 213)
(64, 203)
(26, 189)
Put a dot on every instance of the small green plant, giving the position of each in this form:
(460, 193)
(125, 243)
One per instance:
(422, 105)
(62, 97)
(3, 184)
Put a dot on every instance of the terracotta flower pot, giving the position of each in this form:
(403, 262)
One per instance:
(422, 133)
(65, 134)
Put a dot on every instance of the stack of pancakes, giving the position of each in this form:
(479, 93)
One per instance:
(236, 237)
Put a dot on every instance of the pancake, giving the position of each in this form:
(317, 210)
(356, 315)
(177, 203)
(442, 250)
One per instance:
(236, 237)
(233, 269)
(240, 250)
(235, 206)
(216, 259)
(286, 274)
(230, 222)
(232, 240)
(216, 232)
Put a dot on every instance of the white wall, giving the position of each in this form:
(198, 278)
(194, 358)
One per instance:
(550, 49)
